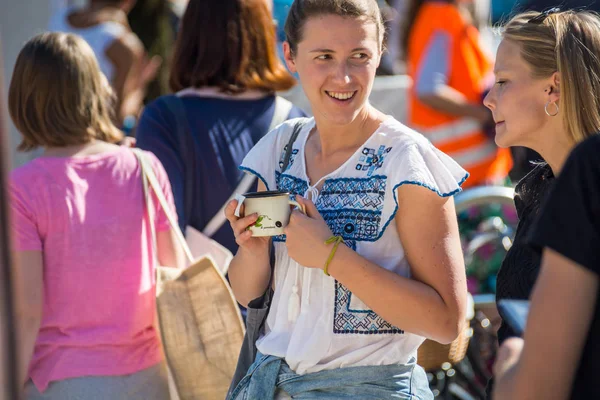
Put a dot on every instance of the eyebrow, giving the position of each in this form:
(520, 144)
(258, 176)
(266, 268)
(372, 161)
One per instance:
(332, 51)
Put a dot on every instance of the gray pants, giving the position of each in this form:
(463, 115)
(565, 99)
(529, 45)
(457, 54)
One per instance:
(149, 384)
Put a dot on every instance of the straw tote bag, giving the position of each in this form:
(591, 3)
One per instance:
(199, 321)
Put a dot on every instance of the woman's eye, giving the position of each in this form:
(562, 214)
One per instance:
(324, 57)
(500, 82)
(360, 56)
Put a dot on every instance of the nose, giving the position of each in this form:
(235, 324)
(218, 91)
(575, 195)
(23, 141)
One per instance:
(489, 100)
(341, 75)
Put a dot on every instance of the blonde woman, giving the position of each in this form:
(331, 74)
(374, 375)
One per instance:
(545, 98)
(82, 248)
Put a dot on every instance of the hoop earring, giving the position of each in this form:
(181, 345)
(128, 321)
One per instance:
(546, 109)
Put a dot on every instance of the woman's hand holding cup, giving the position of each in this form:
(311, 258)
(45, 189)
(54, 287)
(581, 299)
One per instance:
(306, 235)
(239, 225)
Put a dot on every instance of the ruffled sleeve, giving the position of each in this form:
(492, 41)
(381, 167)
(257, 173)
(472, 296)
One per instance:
(426, 166)
(263, 160)
(418, 162)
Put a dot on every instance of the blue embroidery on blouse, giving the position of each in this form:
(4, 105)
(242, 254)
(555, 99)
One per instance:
(354, 321)
(352, 208)
(353, 224)
(353, 193)
(363, 321)
(294, 186)
(372, 159)
(290, 184)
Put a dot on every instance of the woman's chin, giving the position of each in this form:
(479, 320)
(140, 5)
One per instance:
(501, 138)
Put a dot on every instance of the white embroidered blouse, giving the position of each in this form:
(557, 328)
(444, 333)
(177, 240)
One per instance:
(358, 201)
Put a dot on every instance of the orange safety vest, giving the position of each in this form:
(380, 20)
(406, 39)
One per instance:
(461, 138)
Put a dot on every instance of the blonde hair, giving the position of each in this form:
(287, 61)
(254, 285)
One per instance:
(58, 96)
(568, 43)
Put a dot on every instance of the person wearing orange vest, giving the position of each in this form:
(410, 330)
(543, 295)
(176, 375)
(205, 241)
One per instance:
(450, 72)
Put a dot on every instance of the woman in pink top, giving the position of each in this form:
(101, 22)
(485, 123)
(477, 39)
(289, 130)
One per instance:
(84, 255)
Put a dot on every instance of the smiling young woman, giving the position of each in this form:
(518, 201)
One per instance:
(349, 319)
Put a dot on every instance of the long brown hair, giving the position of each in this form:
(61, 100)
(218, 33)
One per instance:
(229, 44)
(58, 96)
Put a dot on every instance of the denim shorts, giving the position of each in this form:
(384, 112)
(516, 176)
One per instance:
(270, 376)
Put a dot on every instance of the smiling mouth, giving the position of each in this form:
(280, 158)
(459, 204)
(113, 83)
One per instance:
(341, 96)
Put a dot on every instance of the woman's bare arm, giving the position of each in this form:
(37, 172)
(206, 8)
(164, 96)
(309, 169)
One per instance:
(432, 302)
(28, 269)
(562, 307)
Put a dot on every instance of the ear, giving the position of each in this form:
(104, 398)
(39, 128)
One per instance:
(553, 88)
(289, 57)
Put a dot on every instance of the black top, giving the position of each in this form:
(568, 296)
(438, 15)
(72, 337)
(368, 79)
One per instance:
(569, 224)
(521, 265)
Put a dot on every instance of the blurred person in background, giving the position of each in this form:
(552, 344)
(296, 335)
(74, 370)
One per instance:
(545, 98)
(225, 73)
(120, 53)
(451, 73)
(396, 22)
(152, 22)
(84, 255)
(389, 59)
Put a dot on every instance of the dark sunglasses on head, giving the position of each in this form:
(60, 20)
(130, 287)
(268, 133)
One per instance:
(538, 19)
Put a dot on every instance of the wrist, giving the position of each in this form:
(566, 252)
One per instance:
(334, 244)
(256, 250)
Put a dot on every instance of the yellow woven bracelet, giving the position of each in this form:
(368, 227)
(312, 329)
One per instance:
(334, 239)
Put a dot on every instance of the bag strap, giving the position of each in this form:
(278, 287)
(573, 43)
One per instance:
(288, 147)
(149, 181)
(282, 110)
(266, 298)
(186, 144)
